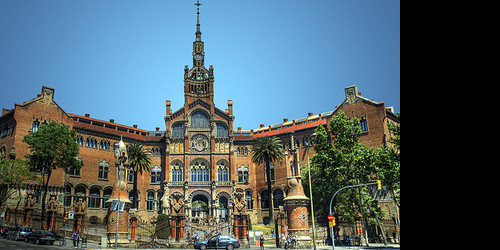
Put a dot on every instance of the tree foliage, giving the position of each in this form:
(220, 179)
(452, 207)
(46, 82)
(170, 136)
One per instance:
(268, 150)
(139, 159)
(52, 146)
(340, 161)
(13, 174)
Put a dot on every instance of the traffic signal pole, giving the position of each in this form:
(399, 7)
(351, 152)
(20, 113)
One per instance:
(378, 183)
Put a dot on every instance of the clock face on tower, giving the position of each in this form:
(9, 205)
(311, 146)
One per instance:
(198, 56)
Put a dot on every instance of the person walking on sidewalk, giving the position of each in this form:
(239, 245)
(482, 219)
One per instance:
(262, 242)
(75, 239)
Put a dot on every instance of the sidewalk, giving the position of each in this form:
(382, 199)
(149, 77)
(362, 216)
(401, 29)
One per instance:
(92, 245)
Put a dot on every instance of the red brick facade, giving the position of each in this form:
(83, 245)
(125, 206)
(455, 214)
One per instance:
(198, 156)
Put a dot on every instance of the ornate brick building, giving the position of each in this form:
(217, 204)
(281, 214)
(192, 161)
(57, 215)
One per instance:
(198, 157)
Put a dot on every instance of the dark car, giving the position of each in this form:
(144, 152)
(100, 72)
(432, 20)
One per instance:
(224, 242)
(41, 236)
(19, 233)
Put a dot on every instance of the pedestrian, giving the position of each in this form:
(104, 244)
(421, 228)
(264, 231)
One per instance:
(75, 239)
(262, 241)
(272, 233)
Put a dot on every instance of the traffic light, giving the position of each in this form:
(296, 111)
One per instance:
(379, 184)
(332, 222)
(66, 215)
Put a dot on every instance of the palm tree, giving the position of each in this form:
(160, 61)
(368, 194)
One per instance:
(139, 159)
(267, 150)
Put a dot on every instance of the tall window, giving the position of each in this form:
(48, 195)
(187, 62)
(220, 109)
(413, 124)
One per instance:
(243, 174)
(176, 171)
(221, 130)
(74, 171)
(249, 199)
(155, 175)
(222, 172)
(159, 195)
(278, 198)
(67, 196)
(364, 124)
(36, 125)
(130, 176)
(103, 170)
(105, 197)
(264, 199)
(272, 172)
(199, 120)
(150, 201)
(95, 198)
(178, 130)
(200, 171)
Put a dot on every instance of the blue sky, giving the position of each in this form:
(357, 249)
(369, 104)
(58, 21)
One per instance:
(275, 59)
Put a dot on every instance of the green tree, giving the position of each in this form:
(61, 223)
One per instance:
(268, 150)
(163, 228)
(52, 146)
(388, 162)
(139, 159)
(340, 161)
(13, 174)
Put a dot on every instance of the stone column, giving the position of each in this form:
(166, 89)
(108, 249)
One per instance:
(296, 206)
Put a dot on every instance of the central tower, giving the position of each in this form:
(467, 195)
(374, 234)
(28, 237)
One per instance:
(198, 81)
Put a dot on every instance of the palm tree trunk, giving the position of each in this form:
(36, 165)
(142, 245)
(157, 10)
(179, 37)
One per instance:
(134, 192)
(269, 188)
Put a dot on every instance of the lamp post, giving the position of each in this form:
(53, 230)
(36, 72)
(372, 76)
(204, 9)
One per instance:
(311, 194)
(121, 147)
(118, 205)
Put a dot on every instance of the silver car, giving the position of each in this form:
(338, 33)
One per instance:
(19, 233)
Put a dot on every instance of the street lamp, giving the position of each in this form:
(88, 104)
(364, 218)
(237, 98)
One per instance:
(122, 158)
(311, 193)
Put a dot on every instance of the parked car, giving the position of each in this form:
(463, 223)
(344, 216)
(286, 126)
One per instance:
(19, 233)
(224, 242)
(41, 236)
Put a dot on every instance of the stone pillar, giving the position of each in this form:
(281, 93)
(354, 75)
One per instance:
(296, 206)
(119, 193)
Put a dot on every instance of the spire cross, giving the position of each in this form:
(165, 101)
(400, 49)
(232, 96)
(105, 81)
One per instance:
(198, 4)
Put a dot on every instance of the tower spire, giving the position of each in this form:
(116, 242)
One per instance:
(198, 31)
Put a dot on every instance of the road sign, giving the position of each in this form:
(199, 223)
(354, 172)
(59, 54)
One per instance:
(330, 217)
(71, 215)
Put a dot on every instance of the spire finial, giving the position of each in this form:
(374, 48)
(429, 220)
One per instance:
(198, 31)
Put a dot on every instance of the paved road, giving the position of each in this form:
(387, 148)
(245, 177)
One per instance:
(15, 245)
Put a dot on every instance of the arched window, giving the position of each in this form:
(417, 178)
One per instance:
(200, 171)
(105, 197)
(264, 199)
(243, 174)
(178, 130)
(176, 172)
(222, 130)
(249, 199)
(199, 120)
(95, 198)
(36, 125)
(222, 171)
(103, 170)
(364, 124)
(159, 195)
(278, 198)
(150, 201)
(67, 196)
(80, 191)
(155, 175)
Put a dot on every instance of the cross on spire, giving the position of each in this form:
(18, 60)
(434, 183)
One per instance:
(198, 31)
(198, 4)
